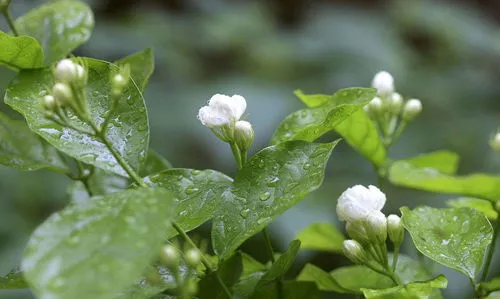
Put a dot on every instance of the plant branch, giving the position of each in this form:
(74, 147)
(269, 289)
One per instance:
(204, 260)
(6, 13)
(491, 251)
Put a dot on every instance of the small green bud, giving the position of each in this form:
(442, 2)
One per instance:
(192, 258)
(4, 4)
(170, 256)
(118, 83)
(49, 103)
(395, 103)
(354, 251)
(411, 109)
(376, 227)
(395, 230)
(357, 232)
(62, 93)
(243, 134)
(495, 142)
(191, 287)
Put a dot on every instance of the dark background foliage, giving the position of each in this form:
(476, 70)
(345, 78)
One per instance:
(446, 53)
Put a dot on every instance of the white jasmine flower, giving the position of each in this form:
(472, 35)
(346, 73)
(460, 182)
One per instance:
(222, 110)
(357, 202)
(384, 83)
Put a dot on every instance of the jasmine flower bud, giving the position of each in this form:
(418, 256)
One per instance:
(49, 103)
(68, 71)
(395, 103)
(118, 83)
(395, 230)
(243, 134)
(354, 251)
(376, 226)
(495, 142)
(375, 107)
(357, 202)
(384, 83)
(411, 109)
(170, 256)
(357, 231)
(192, 258)
(62, 93)
(222, 110)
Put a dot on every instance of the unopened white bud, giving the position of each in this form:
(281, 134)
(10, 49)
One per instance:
(243, 134)
(192, 258)
(222, 110)
(376, 226)
(68, 71)
(49, 103)
(395, 230)
(375, 107)
(170, 256)
(384, 83)
(411, 109)
(395, 103)
(62, 93)
(495, 142)
(354, 251)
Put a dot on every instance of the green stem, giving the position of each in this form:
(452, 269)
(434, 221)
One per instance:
(395, 258)
(491, 251)
(269, 246)
(237, 155)
(10, 21)
(204, 260)
(388, 274)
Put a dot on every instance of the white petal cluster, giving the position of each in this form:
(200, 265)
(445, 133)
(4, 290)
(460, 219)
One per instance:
(222, 110)
(357, 202)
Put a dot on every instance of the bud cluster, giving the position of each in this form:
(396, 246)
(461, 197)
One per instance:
(68, 94)
(389, 109)
(223, 116)
(367, 226)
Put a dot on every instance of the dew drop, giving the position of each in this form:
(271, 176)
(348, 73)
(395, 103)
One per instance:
(265, 196)
(261, 163)
(307, 166)
(191, 190)
(130, 100)
(244, 213)
(196, 172)
(272, 182)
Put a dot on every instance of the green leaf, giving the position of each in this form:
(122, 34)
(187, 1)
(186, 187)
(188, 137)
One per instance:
(455, 238)
(128, 130)
(97, 248)
(360, 132)
(282, 264)
(21, 52)
(272, 181)
(154, 163)
(312, 100)
(443, 161)
(420, 289)
(290, 290)
(77, 192)
(198, 194)
(13, 280)
(355, 278)
(479, 204)
(103, 182)
(21, 149)
(252, 273)
(142, 65)
(229, 272)
(490, 286)
(404, 173)
(322, 237)
(59, 26)
(311, 123)
(324, 281)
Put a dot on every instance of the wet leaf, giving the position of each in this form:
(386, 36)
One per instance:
(272, 181)
(279, 268)
(128, 130)
(13, 280)
(22, 149)
(311, 123)
(481, 205)
(59, 26)
(22, 52)
(198, 194)
(97, 248)
(290, 290)
(142, 65)
(455, 238)
(229, 272)
(420, 289)
(154, 163)
(323, 280)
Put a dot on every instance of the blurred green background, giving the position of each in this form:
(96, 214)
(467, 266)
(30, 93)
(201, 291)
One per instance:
(446, 53)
